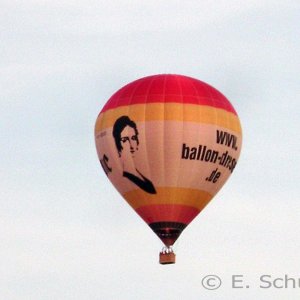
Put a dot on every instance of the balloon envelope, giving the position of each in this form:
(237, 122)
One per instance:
(168, 143)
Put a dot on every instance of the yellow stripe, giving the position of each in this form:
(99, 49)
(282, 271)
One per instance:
(170, 112)
(169, 195)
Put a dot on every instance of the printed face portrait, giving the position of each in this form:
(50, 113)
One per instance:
(129, 141)
(126, 136)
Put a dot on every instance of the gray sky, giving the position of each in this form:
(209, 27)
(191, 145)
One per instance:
(65, 232)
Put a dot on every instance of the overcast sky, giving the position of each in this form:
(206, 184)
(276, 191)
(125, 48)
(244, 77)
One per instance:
(65, 232)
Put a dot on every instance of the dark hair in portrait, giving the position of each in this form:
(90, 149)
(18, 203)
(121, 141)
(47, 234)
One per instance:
(130, 141)
(119, 125)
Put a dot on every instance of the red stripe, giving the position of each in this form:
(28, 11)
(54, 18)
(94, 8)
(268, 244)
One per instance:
(166, 89)
(167, 213)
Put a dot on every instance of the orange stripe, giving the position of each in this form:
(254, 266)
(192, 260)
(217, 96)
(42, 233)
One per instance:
(169, 195)
(167, 213)
(170, 112)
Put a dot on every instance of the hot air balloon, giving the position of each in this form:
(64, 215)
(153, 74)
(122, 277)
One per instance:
(168, 143)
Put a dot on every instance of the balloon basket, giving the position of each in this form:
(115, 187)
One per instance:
(167, 256)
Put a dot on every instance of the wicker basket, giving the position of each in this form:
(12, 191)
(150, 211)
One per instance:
(167, 258)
